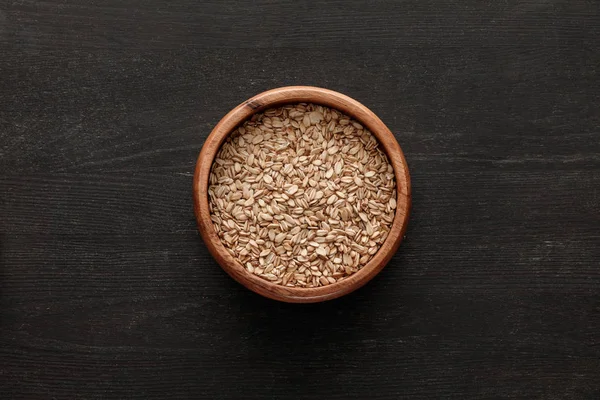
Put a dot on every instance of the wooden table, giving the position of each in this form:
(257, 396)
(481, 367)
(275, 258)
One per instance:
(106, 290)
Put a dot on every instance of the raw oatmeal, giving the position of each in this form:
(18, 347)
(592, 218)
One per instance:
(302, 195)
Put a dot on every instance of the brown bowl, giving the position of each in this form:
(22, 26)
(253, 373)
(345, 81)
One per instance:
(291, 95)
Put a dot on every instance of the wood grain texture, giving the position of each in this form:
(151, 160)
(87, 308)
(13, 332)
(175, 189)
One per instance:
(217, 24)
(293, 95)
(106, 290)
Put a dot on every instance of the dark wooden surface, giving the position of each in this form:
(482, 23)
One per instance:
(106, 290)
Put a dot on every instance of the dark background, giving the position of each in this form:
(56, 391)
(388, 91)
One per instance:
(108, 292)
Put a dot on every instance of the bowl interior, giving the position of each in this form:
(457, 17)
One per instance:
(293, 95)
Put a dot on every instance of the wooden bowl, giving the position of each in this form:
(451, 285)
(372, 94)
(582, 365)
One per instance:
(291, 95)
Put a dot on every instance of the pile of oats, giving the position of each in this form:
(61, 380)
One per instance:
(302, 195)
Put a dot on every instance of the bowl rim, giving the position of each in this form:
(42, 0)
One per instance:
(293, 95)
